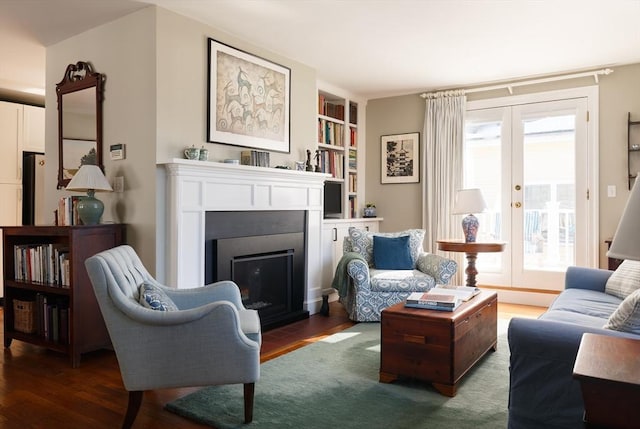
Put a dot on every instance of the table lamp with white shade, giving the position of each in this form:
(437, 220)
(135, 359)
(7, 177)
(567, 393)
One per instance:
(89, 178)
(626, 241)
(469, 201)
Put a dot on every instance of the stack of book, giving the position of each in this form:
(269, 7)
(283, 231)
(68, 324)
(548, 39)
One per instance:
(442, 297)
(254, 157)
(52, 319)
(465, 293)
(42, 263)
(432, 301)
(67, 212)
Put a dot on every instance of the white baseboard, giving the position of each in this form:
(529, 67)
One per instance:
(537, 299)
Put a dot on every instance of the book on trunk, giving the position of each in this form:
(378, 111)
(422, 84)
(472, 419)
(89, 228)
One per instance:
(465, 293)
(432, 301)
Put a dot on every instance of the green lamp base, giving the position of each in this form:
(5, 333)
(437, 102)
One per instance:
(90, 209)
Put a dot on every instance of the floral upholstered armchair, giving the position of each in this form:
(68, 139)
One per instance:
(378, 270)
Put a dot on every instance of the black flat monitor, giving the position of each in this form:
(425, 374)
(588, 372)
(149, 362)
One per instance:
(332, 200)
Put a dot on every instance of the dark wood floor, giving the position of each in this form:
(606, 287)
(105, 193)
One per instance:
(39, 389)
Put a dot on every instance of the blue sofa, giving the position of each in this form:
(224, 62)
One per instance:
(542, 391)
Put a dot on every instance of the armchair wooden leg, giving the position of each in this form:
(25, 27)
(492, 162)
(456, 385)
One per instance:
(248, 402)
(135, 400)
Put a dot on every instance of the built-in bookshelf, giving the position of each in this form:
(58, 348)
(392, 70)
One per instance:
(49, 300)
(338, 146)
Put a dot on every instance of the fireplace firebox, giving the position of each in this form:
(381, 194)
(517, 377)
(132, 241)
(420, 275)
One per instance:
(263, 252)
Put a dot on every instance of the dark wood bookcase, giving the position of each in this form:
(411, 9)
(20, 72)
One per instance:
(84, 330)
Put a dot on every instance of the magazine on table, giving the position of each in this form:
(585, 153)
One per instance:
(446, 302)
(465, 293)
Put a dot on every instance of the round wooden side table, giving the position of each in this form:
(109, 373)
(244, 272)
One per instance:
(471, 250)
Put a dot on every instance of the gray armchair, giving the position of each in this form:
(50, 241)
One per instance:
(206, 338)
(366, 290)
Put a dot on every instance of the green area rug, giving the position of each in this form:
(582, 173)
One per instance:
(333, 383)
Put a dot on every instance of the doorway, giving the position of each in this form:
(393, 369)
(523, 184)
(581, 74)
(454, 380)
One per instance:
(535, 158)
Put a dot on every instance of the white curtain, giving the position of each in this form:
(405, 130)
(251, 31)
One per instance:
(442, 172)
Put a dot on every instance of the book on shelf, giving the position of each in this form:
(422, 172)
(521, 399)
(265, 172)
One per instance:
(321, 105)
(353, 137)
(67, 211)
(353, 113)
(330, 133)
(255, 158)
(52, 318)
(353, 159)
(42, 263)
(330, 109)
(353, 183)
(465, 293)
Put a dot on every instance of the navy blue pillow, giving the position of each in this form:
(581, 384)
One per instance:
(392, 253)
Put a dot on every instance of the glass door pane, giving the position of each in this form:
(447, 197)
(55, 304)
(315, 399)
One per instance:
(548, 140)
(483, 163)
(549, 205)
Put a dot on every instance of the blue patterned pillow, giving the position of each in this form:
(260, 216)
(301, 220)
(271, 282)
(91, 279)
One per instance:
(626, 318)
(155, 298)
(392, 253)
(362, 242)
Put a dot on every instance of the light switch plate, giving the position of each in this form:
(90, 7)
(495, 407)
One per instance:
(118, 184)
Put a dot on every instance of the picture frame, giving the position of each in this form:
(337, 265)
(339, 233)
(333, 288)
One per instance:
(400, 158)
(77, 153)
(248, 101)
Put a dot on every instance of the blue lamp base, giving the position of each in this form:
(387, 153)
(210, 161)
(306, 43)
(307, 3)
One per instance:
(470, 228)
(90, 209)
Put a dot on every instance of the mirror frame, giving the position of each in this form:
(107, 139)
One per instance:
(77, 77)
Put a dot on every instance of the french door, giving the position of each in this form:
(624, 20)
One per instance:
(534, 159)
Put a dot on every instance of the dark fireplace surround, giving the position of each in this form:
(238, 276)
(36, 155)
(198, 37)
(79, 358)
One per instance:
(264, 253)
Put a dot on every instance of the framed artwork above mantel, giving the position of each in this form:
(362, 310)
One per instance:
(248, 100)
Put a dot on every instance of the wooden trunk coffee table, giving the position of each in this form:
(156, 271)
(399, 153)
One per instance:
(437, 346)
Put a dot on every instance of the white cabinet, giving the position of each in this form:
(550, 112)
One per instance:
(11, 207)
(333, 233)
(10, 214)
(21, 128)
(33, 126)
(10, 142)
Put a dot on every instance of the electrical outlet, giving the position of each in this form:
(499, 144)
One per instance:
(118, 184)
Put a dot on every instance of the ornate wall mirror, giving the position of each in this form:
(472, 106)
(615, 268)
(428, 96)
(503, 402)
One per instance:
(79, 120)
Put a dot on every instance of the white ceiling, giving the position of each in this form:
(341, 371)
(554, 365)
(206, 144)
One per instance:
(373, 48)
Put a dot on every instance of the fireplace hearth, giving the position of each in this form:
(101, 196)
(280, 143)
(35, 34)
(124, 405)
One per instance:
(264, 253)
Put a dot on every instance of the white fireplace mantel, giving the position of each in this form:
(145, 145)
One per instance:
(195, 187)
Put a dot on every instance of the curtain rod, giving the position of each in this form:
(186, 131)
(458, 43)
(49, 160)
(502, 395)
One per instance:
(510, 86)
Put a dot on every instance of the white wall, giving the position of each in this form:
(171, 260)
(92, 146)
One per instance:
(155, 62)
(124, 51)
(619, 94)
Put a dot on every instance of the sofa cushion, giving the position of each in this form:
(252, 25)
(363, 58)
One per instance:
(362, 242)
(392, 253)
(627, 316)
(155, 298)
(400, 281)
(624, 280)
(583, 307)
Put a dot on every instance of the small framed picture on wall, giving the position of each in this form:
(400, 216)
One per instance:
(400, 158)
